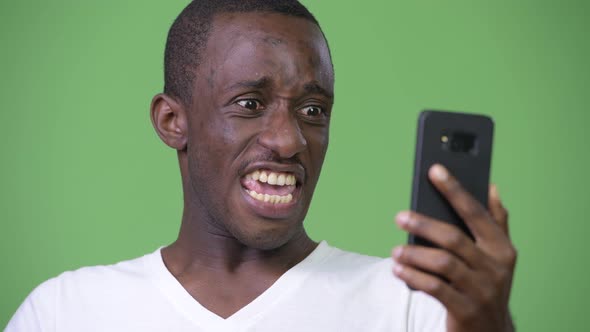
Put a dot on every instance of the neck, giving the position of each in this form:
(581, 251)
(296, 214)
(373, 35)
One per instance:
(204, 246)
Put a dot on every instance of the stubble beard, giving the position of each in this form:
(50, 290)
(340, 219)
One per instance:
(220, 223)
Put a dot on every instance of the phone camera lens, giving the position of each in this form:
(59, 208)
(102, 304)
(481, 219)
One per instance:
(461, 142)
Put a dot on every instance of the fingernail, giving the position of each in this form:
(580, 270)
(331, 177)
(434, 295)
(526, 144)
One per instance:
(495, 191)
(403, 218)
(439, 172)
(397, 252)
(397, 269)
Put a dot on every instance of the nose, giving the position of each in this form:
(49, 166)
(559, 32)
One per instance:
(282, 134)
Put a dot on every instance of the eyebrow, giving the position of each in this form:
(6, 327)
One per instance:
(263, 82)
(314, 87)
(255, 84)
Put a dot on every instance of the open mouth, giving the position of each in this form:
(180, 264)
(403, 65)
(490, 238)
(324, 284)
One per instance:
(267, 186)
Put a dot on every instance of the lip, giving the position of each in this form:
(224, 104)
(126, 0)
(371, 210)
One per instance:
(296, 169)
(269, 210)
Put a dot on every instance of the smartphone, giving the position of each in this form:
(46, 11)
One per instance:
(463, 144)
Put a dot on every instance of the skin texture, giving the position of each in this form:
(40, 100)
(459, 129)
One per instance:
(479, 273)
(261, 99)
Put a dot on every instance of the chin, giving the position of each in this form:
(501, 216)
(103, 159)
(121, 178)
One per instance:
(267, 239)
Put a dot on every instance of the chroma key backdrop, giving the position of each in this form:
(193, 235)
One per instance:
(84, 180)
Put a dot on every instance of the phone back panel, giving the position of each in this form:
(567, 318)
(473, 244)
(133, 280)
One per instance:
(463, 144)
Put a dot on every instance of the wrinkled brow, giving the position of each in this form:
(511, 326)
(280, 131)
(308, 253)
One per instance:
(315, 87)
(255, 84)
(263, 82)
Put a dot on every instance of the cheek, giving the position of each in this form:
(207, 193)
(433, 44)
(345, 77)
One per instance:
(317, 143)
(221, 141)
(235, 135)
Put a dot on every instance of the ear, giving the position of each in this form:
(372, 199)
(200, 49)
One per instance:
(169, 120)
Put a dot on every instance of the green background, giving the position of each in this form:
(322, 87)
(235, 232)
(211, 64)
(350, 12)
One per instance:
(85, 180)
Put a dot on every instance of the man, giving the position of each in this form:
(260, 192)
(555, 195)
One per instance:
(247, 103)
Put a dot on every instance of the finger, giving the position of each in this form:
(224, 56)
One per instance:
(435, 287)
(436, 261)
(475, 216)
(497, 210)
(444, 235)
(507, 253)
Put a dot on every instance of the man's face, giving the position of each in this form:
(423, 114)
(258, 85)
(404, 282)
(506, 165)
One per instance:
(258, 125)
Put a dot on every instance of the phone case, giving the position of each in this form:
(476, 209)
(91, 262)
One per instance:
(463, 144)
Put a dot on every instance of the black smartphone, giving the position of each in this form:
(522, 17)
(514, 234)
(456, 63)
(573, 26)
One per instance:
(463, 144)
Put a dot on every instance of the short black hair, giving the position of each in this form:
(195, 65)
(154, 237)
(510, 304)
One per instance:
(189, 33)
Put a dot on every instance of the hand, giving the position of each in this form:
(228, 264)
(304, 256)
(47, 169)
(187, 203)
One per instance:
(471, 279)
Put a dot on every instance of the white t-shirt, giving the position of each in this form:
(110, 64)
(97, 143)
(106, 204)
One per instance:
(330, 290)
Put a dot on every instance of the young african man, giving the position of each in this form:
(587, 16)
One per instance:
(249, 88)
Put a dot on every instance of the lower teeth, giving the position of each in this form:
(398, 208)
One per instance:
(273, 199)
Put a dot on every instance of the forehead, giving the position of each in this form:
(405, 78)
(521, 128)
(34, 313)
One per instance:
(255, 45)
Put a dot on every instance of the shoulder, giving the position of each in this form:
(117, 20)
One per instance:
(87, 287)
(127, 271)
(105, 283)
(345, 270)
(371, 283)
(354, 264)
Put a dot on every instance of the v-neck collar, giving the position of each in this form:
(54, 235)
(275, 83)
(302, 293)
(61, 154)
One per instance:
(249, 314)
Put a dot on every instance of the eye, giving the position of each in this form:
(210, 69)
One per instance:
(251, 104)
(312, 111)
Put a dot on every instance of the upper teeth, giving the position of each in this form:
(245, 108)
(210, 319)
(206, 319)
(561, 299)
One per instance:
(277, 179)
